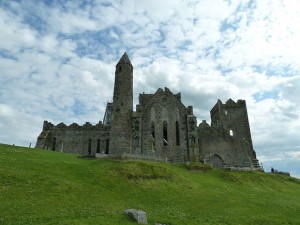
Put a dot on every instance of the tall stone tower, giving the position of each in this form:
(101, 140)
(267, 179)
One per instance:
(120, 136)
(233, 118)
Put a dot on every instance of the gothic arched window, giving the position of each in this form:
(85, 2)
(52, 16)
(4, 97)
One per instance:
(137, 125)
(90, 146)
(53, 144)
(153, 130)
(165, 133)
(177, 134)
(107, 146)
(98, 146)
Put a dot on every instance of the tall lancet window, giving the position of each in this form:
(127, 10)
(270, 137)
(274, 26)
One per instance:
(137, 125)
(165, 133)
(153, 130)
(177, 134)
(153, 134)
(53, 144)
(90, 146)
(98, 146)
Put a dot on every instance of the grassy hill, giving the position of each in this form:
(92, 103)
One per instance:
(44, 187)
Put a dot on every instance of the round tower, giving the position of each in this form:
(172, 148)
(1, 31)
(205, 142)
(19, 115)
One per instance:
(120, 136)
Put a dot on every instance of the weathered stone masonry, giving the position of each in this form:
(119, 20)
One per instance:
(160, 127)
(83, 140)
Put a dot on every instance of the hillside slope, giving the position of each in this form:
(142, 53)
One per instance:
(44, 187)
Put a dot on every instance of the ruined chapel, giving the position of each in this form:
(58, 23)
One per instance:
(161, 127)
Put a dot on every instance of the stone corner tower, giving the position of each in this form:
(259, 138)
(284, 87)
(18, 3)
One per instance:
(233, 118)
(120, 136)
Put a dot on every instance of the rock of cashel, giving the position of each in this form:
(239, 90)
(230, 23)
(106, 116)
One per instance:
(161, 126)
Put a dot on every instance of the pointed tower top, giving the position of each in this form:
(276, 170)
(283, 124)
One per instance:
(124, 59)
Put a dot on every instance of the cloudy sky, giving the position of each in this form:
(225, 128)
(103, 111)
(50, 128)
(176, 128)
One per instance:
(57, 61)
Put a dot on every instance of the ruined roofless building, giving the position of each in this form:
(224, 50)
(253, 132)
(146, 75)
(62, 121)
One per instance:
(162, 126)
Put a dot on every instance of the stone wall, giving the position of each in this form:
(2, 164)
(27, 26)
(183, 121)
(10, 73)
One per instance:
(83, 140)
(228, 138)
(163, 125)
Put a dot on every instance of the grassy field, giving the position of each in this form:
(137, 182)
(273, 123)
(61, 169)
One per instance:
(44, 187)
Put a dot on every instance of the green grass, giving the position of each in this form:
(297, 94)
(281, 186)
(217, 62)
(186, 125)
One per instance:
(44, 187)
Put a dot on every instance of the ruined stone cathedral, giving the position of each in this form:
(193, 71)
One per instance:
(162, 127)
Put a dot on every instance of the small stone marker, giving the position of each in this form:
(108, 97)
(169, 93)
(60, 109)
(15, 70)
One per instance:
(139, 216)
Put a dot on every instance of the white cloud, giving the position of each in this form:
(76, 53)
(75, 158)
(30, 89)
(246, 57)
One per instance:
(159, 14)
(268, 35)
(15, 35)
(70, 22)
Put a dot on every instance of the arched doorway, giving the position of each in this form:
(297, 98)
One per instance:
(216, 161)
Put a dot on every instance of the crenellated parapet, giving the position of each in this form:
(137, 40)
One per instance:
(73, 127)
(206, 130)
(230, 104)
(47, 125)
(85, 139)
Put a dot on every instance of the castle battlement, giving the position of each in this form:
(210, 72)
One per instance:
(74, 126)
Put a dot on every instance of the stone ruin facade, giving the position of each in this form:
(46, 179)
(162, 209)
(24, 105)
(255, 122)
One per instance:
(161, 127)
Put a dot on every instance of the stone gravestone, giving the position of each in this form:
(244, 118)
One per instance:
(139, 216)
